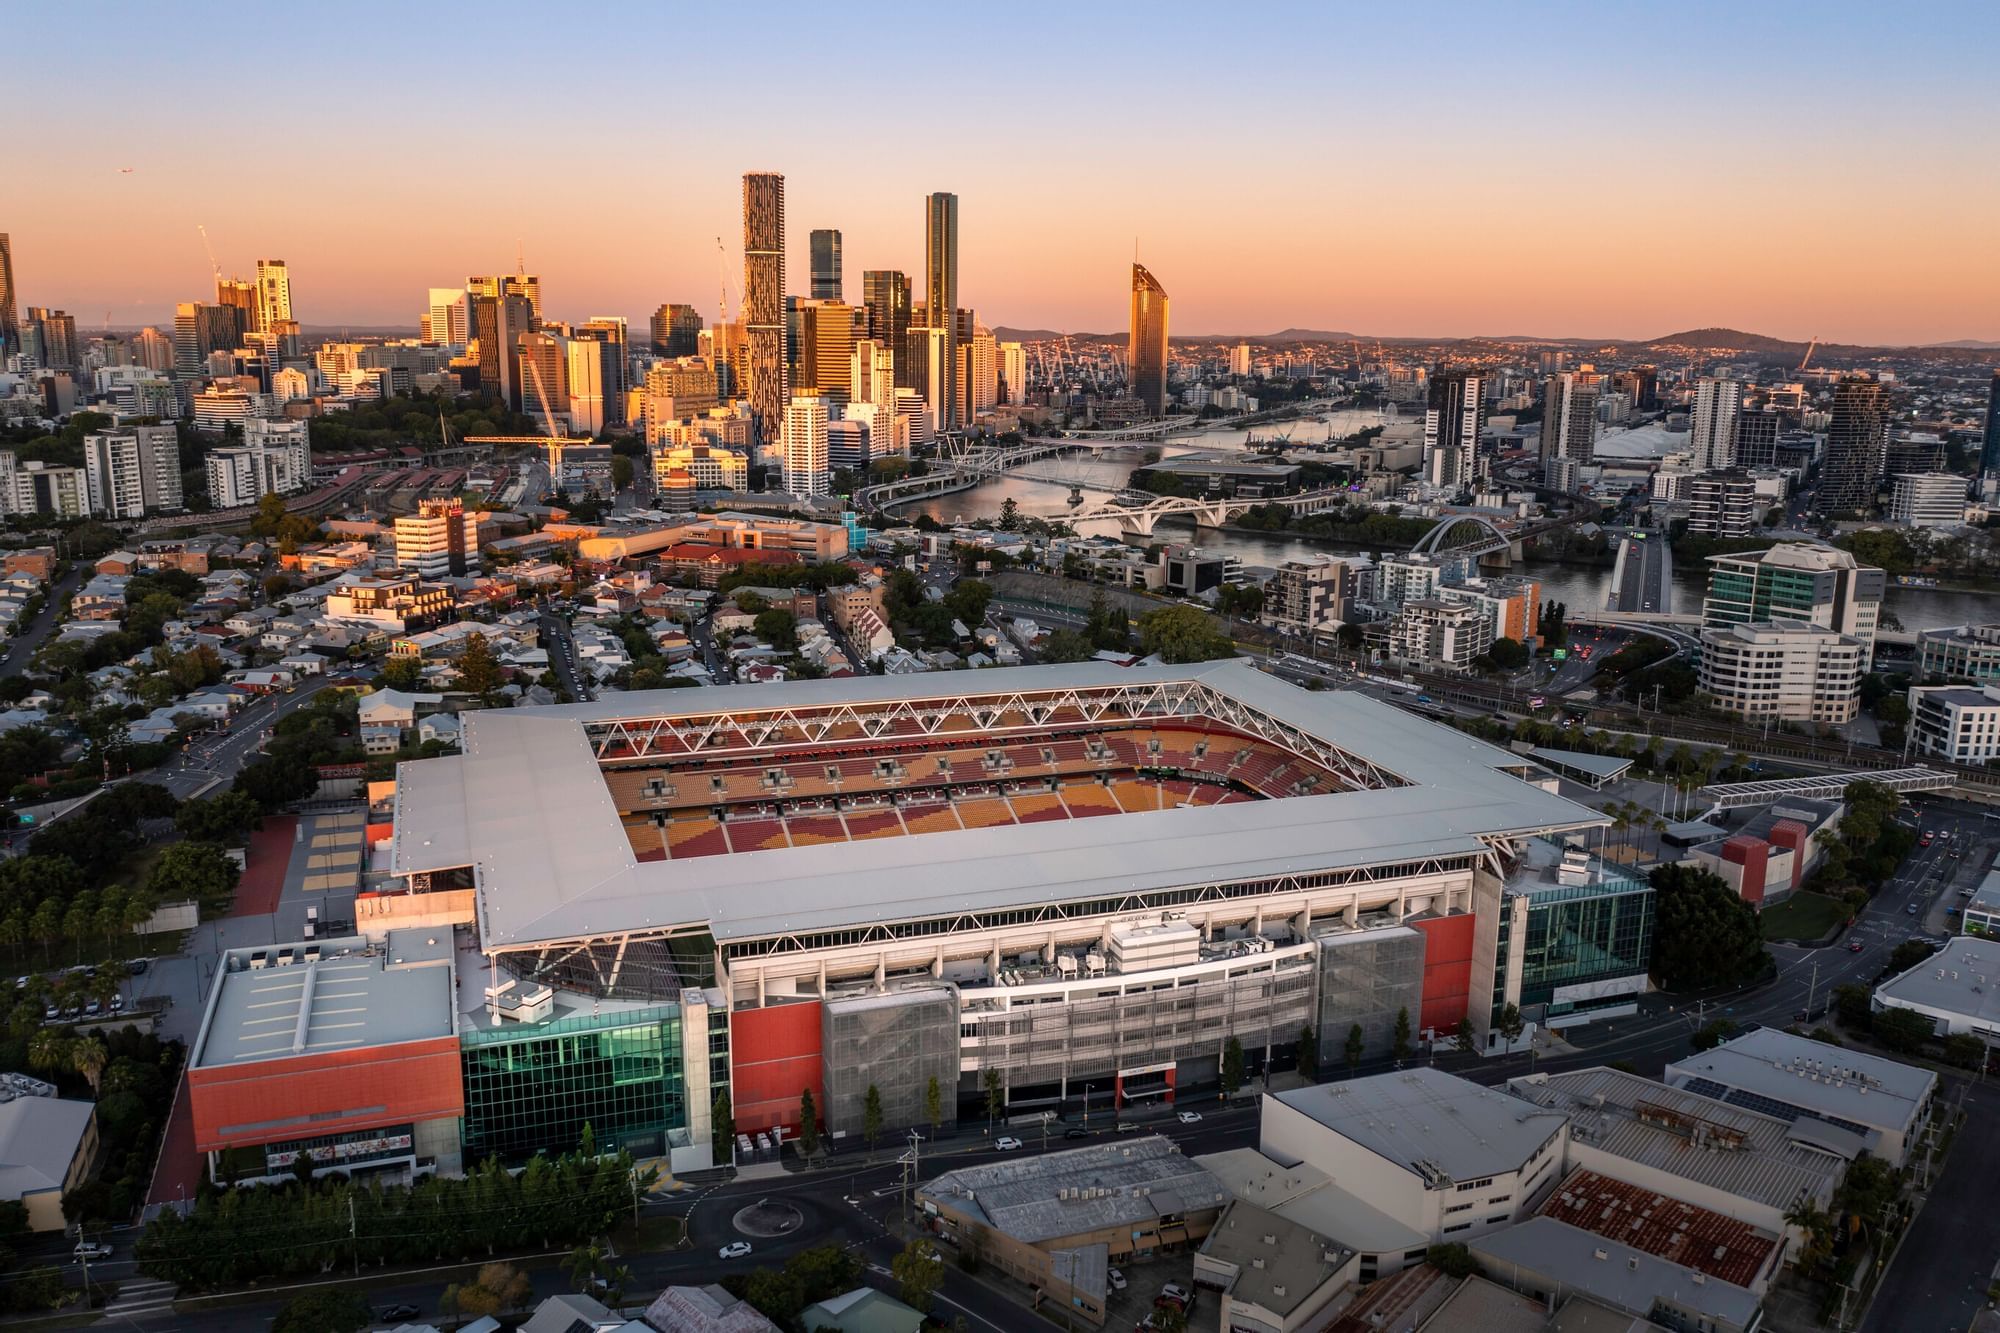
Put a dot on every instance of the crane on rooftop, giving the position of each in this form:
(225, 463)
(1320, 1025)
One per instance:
(1808, 356)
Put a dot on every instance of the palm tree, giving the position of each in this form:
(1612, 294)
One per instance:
(88, 1056)
(48, 1051)
(1816, 1224)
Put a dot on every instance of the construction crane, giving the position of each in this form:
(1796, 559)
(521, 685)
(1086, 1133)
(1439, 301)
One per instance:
(211, 252)
(1808, 356)
(558, 435)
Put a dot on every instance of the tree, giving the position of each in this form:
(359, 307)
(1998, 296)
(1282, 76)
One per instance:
(919, 1272)
(1010, 515)
(1402, 1049)
(1512, 1023)
(222, 819)
(1964, 1050)
(723, 1119)
(478, 673)
(1704, 934)
(1467, 1039)
(328, 1310)
(1307, 1048)
(197, 871)
(1904, 1031)
(1353, 1048)
(808, 1124)
(871, 1115)
(402, 673)
(1065, 645)
(1454, 1260)
(968, 599)
(1816, 1224)
(621, 472)
(994, 1099)
(498, 1289)
(1183, 634)
(1713, 1034)
(934, 1105)
(1232, 1066)
(1169, 1317)
(1506, 655)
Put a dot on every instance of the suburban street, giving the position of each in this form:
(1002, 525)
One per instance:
(22, 647)
(215, 759)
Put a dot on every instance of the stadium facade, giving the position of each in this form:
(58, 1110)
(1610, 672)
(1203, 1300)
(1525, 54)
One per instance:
(1061, 882)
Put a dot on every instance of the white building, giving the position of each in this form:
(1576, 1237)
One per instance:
(439, 540)
(805, 446)
(1884, 1102)
(1956, 722)
(1956, 988)
(1722, 504)
(275, 458)
(1424, 1157)
(1439, 634)
(132, 470)
(1713, 437)
(1784, 669)
(711, 467)
(587, 391)
(1408, 578)
(1928, 500)
(445, 317)
(1239, 360)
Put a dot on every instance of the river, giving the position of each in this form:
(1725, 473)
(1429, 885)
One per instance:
(1577, 586)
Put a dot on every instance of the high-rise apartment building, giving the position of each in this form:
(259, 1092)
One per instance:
(1927, 499)
(1756, 439)
(805, 446)
(824, 246)
(51, 336)
(200, 330)
(500, 322)
(1722, 504)
(1147, 347)
(440, 540)
(584, 379)
(544, 358)
(132, 470)
(1569, 419)
(10, 311)
(1795, 581)
(941, 296)
(979, 372)
(152, 349)
(676, 390)
(274, 295)
(1453, 423)
(1783, 669)
(1857, 446)
(676, 330)
(1712, 438)
(275, 458)
(1013, 373)
(446, 317)
(925, 362)
(826, 347)
(764, 304)
(1239, 361)
(885, 295)
(1989, 449)
(871, 373)
(240, 295)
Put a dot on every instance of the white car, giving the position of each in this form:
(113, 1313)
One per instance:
(736, 1249)
(90, 1249)
(1007, 1144)
(1190, 1117)
(1115, 1278)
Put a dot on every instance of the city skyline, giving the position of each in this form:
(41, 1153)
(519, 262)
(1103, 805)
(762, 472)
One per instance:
(1701, 192)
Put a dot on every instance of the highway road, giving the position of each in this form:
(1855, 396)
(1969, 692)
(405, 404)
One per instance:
(1647, 578)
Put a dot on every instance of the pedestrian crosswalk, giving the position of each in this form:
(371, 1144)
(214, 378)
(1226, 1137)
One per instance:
(140, 1297)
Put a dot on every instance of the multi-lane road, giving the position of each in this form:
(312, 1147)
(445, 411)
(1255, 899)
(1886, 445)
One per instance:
(1646, 576)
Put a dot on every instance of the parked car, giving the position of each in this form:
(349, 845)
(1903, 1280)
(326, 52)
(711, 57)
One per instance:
(735, 1249)
(1006, 1143)
(1129, 1127)
(92, 1249)
(1854, 946)
(1076, 1132)
(398, 1312)
(1190, 1117)
(1115, 1278)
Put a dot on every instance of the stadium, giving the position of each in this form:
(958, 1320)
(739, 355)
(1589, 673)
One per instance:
(1063, 883)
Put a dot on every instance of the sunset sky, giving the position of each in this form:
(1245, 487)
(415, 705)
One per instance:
(1798, 170)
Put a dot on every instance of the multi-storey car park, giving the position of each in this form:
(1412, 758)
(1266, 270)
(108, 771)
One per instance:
(1075, 882)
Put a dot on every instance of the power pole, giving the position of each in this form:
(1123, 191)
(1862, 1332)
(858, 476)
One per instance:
(353, 1237)
(1812, 989)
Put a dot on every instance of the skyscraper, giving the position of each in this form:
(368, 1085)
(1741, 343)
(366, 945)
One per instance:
(10, 318)
(274, 295)
(1148, 348)
(826, 347)
(201, 329)
(54, 337)
(1756, 439)
(605, 335)
(825, 248)
(1569, 420)
(240, 295)
(676, 330)
(1453, 424)
(498, 322)
(1989, 449)
(806, 469)
(1013, 373)
(941, 295)
(1857, 446)
(446, 317)
(886, 294)
(764, 304)
(1712, 439)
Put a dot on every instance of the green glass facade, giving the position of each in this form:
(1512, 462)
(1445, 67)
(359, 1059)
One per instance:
(532, 1089)
(1576, 935)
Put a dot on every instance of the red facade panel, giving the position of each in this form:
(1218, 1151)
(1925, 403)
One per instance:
(1447, 970)
(1752, 854)
(270, 1101)
(774, 1055)
(1791, 833)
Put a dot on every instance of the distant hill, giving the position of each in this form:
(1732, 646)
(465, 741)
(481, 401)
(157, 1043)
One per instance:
(1966, 345)
(1732, 338)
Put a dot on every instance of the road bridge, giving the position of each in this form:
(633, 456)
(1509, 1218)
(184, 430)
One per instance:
(1138, 512)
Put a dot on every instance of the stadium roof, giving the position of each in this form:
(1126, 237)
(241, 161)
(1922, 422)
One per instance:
(527, 806)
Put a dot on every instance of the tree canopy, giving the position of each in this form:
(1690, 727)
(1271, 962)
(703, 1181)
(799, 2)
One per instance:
(1183, 634)
(1703, 933)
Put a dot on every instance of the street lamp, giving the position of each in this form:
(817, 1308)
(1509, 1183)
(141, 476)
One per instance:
(1086, 1103)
